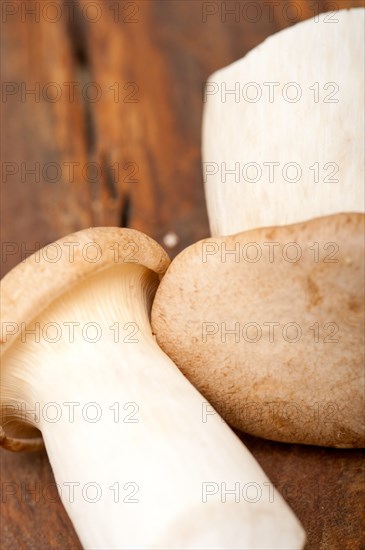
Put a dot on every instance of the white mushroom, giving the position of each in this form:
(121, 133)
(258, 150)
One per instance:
(283, 130)
(283, 166)
(137, 463)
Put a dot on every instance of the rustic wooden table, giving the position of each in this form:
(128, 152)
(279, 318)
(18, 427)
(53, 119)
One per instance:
(101, 110)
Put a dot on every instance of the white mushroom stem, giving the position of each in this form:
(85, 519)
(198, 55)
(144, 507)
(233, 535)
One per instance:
(283, 129)
(158, 473)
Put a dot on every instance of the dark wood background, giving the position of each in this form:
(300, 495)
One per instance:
(145, 146)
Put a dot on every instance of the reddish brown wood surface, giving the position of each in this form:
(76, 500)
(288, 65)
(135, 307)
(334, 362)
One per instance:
(145, 148)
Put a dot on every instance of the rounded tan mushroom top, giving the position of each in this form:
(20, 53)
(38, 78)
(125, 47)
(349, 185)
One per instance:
(269, 326)
(41, 278)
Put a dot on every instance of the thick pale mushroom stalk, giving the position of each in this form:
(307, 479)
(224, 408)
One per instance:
(283, 131)
(140, 458)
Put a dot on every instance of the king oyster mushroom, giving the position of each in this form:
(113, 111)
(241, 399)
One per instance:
(137, 463)
(269, 324)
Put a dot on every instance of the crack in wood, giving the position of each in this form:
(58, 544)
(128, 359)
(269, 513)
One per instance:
(80, 54)
(108, 176)
(125, 211)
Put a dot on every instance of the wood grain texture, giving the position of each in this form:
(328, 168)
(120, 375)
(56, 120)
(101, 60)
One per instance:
(147, 175)
(40, 136)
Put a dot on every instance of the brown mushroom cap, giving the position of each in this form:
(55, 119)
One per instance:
(34, 284)
(302, 382)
